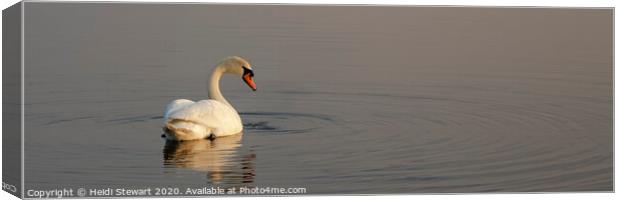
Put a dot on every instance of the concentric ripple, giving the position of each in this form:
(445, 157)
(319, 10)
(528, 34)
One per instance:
(284, 123)
(500, 141)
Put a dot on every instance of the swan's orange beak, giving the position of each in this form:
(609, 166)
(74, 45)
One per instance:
(247, 78)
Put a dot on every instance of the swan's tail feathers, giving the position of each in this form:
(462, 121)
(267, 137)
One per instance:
(178, 129)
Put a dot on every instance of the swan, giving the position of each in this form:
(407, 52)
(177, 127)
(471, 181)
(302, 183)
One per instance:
(207, 119)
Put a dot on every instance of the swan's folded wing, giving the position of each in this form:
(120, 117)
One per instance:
(209, 113)
(176, 105)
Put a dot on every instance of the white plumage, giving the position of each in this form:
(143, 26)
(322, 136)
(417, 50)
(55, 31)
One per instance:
(188, 120)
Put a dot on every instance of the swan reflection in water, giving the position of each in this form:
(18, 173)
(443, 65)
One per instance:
(219, 159)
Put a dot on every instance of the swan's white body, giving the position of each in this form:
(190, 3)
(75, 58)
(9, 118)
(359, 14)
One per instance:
(215, 117)
(190, 120)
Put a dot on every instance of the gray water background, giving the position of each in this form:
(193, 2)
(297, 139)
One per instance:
(351, 99)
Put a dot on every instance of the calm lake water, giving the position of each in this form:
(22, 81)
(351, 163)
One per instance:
(350, 99)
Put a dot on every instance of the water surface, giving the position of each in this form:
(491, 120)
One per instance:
(350, 99)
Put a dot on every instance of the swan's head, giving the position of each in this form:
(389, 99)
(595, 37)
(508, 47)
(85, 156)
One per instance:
(239, 66)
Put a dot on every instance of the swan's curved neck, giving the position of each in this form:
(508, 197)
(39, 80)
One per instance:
(214, 85)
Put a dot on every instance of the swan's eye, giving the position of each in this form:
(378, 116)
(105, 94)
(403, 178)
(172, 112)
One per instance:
(247, 71)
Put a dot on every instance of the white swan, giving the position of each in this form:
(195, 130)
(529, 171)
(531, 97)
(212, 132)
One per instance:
(215, 117)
